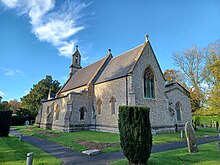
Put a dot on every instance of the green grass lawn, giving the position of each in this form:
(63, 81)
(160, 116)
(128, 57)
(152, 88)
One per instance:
(13, 152)
(207, 155)
(70, 139)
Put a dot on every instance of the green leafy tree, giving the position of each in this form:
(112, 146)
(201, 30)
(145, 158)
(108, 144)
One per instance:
(39, 92)
(213, 81)
(4, 104)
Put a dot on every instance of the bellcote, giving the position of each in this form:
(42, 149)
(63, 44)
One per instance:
(76, 62)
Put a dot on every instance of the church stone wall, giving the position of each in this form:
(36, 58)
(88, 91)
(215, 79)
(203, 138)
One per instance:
(159, 114)
(116, 88)
(49, 120)
(69, 112)
(175, 96)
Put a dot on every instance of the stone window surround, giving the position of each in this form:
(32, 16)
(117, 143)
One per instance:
(149, 98)
(57, 110)
(112, 105)
(82, 112)
(99, 106)
(180, 111)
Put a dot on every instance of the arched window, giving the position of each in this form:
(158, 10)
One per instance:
(178, 111)
(47, 110)
(76, 60)
(99, 103)
(82, 113)
(112, 105)
(57, 111)
(149, 83)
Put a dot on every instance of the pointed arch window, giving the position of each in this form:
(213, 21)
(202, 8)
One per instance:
(57, 110)
(47, 110)
(112, 105)
(149, 89)
(82, 113)
(99, 103)
(178, 111)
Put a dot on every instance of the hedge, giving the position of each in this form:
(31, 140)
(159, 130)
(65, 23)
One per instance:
(20, 120)
(5, 122)
(135, 133)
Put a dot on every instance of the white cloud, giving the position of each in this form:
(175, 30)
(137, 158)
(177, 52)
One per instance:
(85, 59)
(10, 3)
(54, 26)
(64, 78)
(2, 94)
(12, 72)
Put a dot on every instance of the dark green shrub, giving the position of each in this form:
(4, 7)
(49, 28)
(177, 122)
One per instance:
(135, 133)
(5, 122)
(21, 116)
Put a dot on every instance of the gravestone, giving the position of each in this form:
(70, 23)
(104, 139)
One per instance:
(190, 137)
(26, 123)
(181, 134)
(204, 125)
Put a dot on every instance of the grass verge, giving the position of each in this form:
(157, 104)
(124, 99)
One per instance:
(208, 154)
(14, 152)
(70, 139)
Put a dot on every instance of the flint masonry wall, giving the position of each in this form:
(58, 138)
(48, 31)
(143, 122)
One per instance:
(160, 117)
(175, 93)
(116, 88)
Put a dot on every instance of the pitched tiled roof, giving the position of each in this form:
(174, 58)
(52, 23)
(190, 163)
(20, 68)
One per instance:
(121, 65)
(82, 76)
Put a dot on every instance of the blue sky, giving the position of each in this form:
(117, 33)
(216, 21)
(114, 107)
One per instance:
(37, 37)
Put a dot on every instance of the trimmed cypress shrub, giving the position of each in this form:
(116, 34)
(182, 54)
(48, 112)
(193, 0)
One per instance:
(135, 133)
(5, 122)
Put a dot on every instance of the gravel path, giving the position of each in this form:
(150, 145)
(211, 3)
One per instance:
(71, 157)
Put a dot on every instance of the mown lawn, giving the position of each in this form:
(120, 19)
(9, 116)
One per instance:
(207, 155)
(70, 139)
(13, 152)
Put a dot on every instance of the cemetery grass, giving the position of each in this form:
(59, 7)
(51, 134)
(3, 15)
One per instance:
(208, 154)
(14, 152)
(71, 139)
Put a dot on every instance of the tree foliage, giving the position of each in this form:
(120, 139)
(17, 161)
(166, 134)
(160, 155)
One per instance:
(39, 92)
(135, 133)
(171, 75)
(213, 81)
(14, 105)
(201, 68)
(192, 64)
(4, 105)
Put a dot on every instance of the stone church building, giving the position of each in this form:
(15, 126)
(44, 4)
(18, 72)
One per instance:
(92, 95)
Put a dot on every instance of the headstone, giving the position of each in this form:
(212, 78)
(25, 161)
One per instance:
(26, 123)
(181, 134)
(91, 152)
(20, 137)
(204, 125)
(190, 137)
